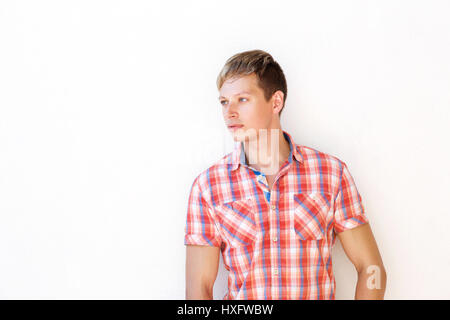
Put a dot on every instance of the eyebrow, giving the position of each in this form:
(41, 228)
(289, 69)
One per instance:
(243, 92)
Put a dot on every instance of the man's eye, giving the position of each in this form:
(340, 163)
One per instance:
(224, 101)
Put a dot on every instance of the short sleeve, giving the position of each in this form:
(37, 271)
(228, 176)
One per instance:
(349, 210)
(200, 227)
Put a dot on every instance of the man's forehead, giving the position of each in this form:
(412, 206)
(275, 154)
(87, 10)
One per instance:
(248, 91)
(234, 90)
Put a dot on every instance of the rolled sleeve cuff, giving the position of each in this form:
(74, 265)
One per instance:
(350, 223)
(201, 240)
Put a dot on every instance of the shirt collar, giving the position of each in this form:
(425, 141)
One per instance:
(238, 155)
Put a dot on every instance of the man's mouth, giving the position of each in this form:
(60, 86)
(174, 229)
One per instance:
(235, 126)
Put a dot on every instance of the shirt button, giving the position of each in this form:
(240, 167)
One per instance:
(273, 207)
(275, 239)
(275, 271)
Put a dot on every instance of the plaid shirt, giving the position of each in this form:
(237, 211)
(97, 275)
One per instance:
(276, 244)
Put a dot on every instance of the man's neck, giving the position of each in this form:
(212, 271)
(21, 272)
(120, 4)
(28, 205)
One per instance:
(267, 152)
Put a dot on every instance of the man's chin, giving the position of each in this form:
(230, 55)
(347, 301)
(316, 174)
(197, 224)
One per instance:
(241, 135)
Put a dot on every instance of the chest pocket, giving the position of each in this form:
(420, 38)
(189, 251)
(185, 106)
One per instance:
(310, 215)
(237, 222)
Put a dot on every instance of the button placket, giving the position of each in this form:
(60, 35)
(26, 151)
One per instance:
(273, 225)
(273, 238)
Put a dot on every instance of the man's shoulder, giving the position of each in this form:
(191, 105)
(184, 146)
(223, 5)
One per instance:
(313, 156)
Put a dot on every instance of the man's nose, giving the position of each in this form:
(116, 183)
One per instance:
(231, 111)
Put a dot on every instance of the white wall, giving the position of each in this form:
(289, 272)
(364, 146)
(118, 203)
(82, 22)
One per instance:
(108, 111)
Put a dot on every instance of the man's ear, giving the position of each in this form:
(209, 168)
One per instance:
(277, 98)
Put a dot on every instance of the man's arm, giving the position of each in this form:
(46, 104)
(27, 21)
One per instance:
(360, 247)
(202, 264)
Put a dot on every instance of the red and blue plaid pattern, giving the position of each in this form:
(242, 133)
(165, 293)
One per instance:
(276, 244)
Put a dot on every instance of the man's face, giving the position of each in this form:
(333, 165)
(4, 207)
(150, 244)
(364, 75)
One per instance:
(244, 106)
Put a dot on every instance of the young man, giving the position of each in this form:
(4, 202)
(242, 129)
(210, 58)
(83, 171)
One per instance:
(272, 207)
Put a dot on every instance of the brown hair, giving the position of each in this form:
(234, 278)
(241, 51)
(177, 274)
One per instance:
(269, 74)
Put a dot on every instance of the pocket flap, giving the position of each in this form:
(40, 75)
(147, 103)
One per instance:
(236, 221)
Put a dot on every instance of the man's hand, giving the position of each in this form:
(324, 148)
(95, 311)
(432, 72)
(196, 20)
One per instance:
(202, 264)
(360, 247)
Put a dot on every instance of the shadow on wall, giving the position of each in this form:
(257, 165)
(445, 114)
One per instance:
(221, 284)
